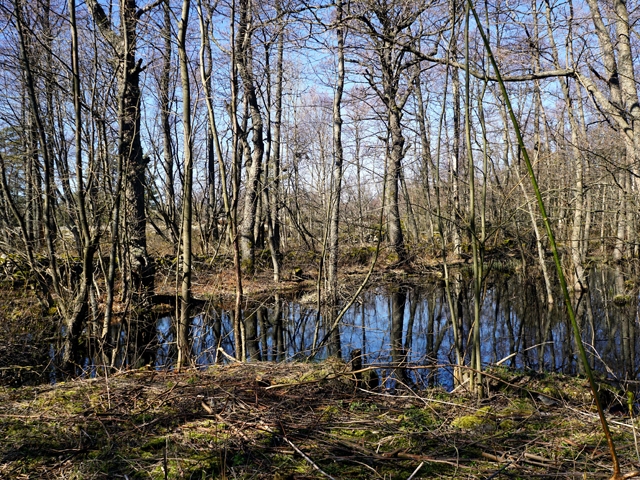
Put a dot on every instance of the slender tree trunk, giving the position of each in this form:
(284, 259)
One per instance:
(187, 189)
(78, 315)
(229, 203)
(455, 163)
(477, 237)
(454, 318)
(235, 174)
(272, 193)
(139, 267)
(425, 150)
(577, 240)
(169, 204)
(336, 190)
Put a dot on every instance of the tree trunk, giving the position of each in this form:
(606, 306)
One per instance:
(187, 188)
(272, 186)
(229, 203)
(244, 61)
(169, 204)
(396, 153)
(425, 151)
(578, 242)
(619, 102)
(336, 185)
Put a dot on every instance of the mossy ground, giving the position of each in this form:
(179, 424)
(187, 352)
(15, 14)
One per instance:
(256, 421)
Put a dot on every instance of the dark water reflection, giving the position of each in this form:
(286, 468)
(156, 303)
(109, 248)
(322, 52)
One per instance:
(410, 324)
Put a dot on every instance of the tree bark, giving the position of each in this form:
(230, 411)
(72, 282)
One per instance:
(187, 190)
(244, 61)
(338, 156)
(169, 205)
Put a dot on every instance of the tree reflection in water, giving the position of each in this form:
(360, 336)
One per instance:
(409, 325)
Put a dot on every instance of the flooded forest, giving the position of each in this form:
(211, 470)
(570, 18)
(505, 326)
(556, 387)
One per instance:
(434, 187)
(286, 239)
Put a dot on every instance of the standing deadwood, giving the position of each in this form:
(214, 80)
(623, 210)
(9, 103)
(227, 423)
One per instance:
(338, 155)
(187, 189)
(244, 61)
(140, 268)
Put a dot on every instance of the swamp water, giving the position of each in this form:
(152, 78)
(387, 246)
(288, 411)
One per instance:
(411, 325)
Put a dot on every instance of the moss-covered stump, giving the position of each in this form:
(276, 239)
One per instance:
(294, 421)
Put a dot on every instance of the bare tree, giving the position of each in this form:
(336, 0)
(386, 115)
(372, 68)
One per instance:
(187, 193)
(123, 39)
(386, 28)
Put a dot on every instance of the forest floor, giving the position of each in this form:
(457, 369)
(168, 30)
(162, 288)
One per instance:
(304, 420)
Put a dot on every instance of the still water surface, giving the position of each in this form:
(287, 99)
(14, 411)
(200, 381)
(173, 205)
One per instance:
(411, 324)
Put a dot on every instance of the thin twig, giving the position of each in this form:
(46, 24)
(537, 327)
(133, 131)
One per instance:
(307, 459)
(415, 471)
